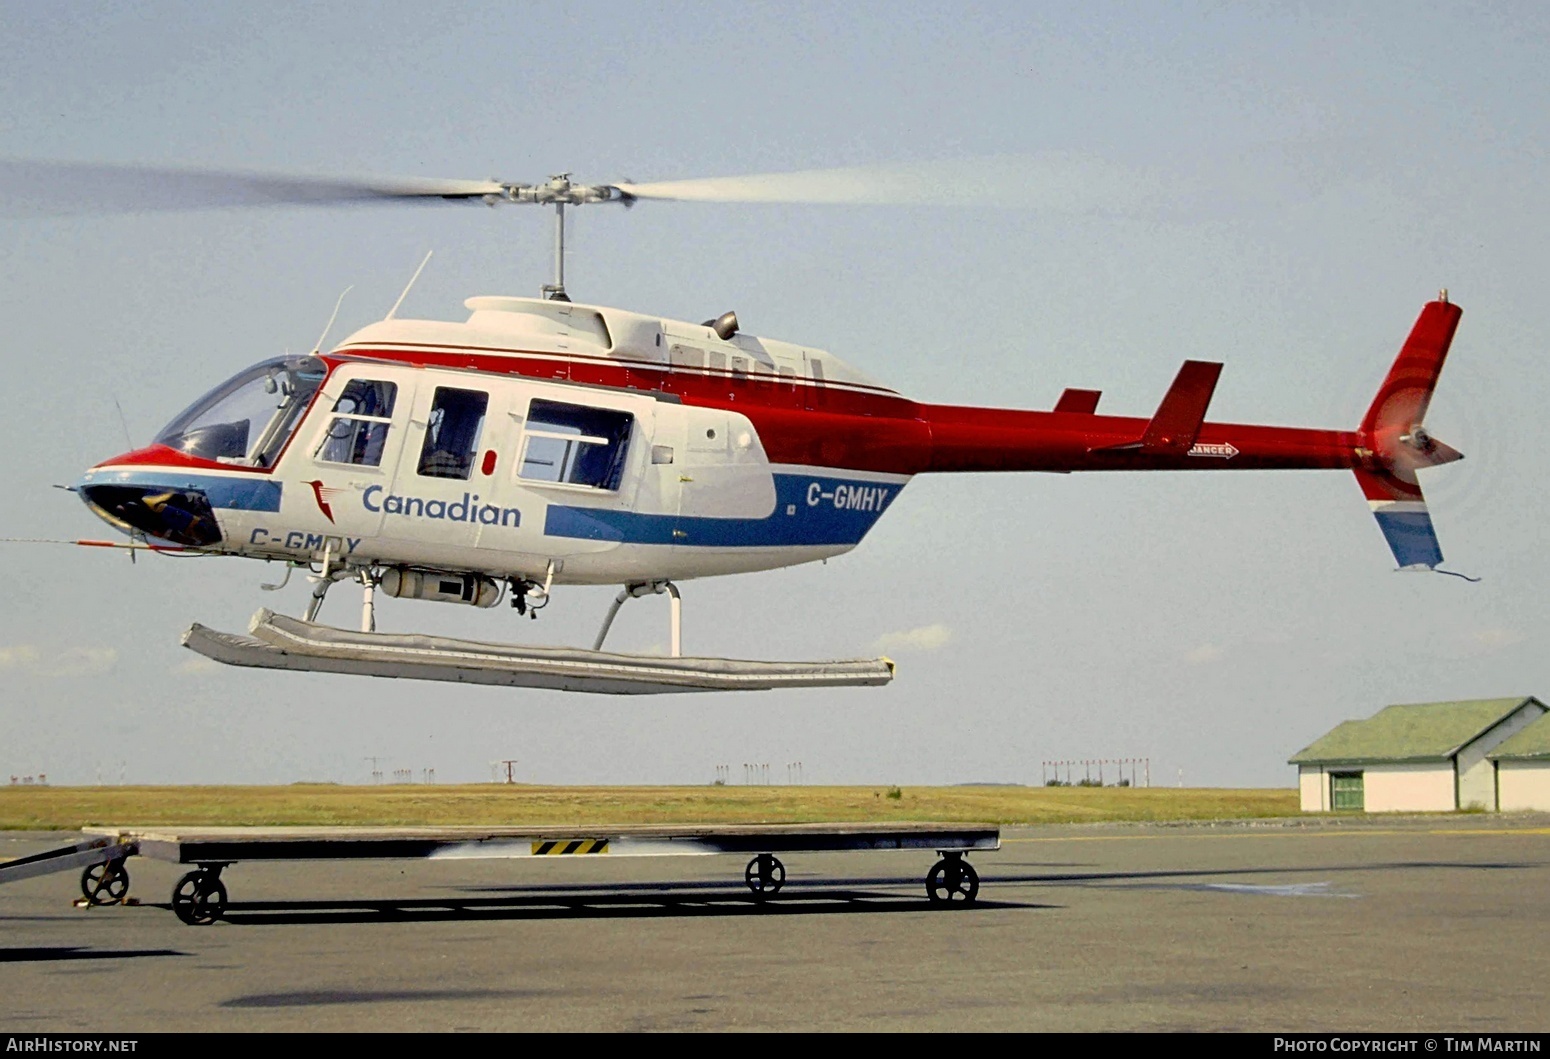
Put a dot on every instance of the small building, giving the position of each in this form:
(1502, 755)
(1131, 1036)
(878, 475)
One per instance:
(1523, 768)
(1422, 757)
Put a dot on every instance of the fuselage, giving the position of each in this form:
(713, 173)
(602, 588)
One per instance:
(550, 440)
(535, 439)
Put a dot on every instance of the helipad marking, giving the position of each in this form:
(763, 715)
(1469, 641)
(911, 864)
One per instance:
(568, 847)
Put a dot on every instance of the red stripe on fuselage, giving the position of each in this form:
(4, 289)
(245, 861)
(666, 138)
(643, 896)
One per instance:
(802, 421)
(161, 456)
(840, 425)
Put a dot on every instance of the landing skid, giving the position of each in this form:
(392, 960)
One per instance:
(280, 642)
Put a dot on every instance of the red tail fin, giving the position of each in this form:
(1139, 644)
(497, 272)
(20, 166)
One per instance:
(1398, 445)
(1402, 400)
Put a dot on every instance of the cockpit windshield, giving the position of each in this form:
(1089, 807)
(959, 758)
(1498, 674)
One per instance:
(248, 419)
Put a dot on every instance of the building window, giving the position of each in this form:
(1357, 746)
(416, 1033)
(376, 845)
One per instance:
(452, 433)
(571, 444)
(358, 431)
(1345, 791)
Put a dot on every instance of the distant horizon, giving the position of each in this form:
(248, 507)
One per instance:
(712, 783)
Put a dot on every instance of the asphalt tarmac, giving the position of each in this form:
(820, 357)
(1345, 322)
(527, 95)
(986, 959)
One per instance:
(1433, 924)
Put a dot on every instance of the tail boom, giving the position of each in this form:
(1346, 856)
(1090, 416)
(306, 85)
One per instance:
(988, 439)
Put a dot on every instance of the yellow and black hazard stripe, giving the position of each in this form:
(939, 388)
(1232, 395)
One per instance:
(559, 847)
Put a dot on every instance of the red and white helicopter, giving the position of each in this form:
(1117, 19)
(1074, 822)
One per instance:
(543, 442)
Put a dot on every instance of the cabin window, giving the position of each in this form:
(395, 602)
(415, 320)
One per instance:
(359, 428)
(452, 433)
(572, 444)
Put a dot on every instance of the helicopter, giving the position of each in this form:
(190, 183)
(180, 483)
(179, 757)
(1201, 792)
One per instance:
(543, 442)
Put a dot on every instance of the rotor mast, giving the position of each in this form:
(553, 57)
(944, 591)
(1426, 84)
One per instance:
(558, 192)
(556, 291)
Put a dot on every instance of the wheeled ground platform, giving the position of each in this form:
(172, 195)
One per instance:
(200, 897)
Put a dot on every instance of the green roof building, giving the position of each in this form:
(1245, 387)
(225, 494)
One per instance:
(1523, 768)
(1428, 756)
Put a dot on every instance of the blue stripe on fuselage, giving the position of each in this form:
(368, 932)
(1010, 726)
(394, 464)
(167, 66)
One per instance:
(808, 510)
(234, 493)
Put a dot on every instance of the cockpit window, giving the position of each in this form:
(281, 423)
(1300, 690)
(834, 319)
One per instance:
(248, 419)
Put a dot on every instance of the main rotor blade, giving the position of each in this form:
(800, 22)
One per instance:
(33, 188)
(1057, 181)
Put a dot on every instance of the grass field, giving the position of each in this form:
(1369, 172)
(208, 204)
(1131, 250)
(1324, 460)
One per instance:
(69, 808)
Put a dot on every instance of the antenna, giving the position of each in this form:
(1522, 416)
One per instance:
(394, 310)
(318, 346)
(124, 423)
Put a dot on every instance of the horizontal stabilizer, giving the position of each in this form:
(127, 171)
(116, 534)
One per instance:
(1079, 402)
(1176, 425)
(1173, 430)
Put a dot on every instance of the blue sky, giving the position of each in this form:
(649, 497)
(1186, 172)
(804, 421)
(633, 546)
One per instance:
(1283, 188)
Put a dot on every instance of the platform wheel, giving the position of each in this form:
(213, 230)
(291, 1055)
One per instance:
(106, 883)
(199, 898)
(765, 875)
(953, 881)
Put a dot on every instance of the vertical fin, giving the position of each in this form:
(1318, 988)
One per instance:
(1397, 445)
(1401, 402)
(1400, 509)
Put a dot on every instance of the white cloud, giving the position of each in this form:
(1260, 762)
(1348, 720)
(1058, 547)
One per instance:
(1496, 639)
(19, 656)
(1205, 654)
(196, 665)
(52, 662)
(925, 638)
